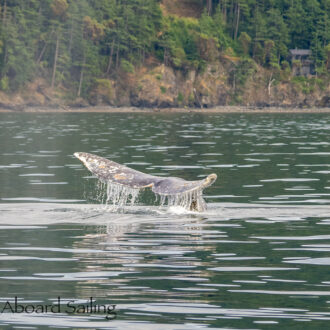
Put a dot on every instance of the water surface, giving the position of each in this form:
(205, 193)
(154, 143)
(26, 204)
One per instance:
(258, 258)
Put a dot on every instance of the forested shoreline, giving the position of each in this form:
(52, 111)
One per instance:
(162, 53)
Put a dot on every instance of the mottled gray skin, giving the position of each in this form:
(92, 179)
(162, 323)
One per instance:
(112, 172)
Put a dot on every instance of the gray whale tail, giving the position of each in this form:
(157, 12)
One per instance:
(177, 190)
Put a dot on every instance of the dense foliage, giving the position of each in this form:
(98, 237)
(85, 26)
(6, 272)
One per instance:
(78, 44)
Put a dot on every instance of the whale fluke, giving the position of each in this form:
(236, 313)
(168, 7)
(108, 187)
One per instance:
(177, 191)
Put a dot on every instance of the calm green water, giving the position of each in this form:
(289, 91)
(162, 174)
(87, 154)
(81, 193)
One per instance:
(258, 258)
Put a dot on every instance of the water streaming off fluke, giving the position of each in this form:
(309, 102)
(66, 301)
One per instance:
(124, 184)
(116, 196)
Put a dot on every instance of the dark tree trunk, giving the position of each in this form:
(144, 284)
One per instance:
(117, 56)
(237, 20)
(209, 7)
(55, 60)
(81, 76)
(110, 56)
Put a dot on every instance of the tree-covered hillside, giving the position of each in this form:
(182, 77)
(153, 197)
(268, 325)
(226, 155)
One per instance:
(82, 46)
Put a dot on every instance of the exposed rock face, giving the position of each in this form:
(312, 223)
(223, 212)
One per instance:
(162, 86)
(325, 102)
(156, 88)
(212, 86)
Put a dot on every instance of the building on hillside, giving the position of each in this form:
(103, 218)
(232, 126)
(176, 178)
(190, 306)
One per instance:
(302, 62)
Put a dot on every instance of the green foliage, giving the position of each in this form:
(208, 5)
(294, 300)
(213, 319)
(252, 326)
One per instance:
(243, 71)
(72, 43)
(191, 98)
(59, 7)
(308, 85)
(179, 39)
(285, 72)
(213, 27)
(4, 84)
(245, 42)
(190, 41)
(277, 33)
(127, 66)
(163, 89)
(180, 98)
(103, 88)
(75, 43)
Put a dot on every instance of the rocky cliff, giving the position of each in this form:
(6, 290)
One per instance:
(161, 86)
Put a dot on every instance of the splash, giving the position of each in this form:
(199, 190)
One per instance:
(190, 201)
(116, 196)
(120, 195)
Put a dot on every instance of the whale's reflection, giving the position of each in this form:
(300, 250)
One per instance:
(146, 254)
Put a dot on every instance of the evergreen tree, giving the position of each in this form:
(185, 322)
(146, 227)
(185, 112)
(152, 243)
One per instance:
(76, 43)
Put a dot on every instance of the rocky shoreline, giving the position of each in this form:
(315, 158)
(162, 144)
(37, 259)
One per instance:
(161, 88)
(111, 109)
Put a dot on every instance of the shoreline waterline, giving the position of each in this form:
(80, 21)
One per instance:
(110, 109)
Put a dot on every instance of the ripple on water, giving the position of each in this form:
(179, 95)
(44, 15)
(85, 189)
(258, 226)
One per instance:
(165, 269)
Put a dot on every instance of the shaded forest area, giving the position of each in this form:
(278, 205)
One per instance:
(161, 53)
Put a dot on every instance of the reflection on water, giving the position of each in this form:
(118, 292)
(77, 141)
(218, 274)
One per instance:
(257, 258)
